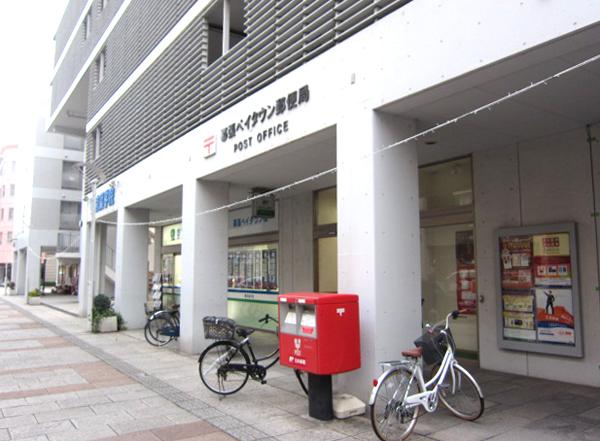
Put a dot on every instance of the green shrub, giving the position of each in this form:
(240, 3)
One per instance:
(101, 302)
(34, 293)
(102, 309)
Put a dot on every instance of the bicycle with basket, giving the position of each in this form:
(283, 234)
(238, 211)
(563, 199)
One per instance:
(225, 365)
(400, 393)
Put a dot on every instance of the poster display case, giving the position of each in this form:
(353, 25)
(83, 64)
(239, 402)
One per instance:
(538, 290)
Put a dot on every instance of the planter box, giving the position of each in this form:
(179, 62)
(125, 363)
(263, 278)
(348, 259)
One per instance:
(34, 300)
(108, 324)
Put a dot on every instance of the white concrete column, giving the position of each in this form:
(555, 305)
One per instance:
(204, 258)
(82, 284)
(101, 257)
(378, 238)
(226, 26)
(21, 271)
(32, 278)
(131, 281)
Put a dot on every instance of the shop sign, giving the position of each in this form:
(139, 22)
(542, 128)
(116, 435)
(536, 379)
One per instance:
(242, 222)
(539, 292)
(105, 199)
(171, 235)
(261, 124)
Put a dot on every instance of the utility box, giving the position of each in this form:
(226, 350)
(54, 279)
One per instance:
(319, 333)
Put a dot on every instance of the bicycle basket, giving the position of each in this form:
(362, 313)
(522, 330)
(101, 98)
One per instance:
(433, 345)
(218, 328)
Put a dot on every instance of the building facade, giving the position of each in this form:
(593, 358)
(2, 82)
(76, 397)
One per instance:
(8, 182)
(377, 132)
(48, 213)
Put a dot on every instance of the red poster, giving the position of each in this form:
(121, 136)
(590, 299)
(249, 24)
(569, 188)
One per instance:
(516, 256)
(466, 275)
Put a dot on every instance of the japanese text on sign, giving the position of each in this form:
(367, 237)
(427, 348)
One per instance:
(105, 200)
(265, 113)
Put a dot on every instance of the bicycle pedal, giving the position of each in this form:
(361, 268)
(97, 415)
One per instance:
(263, 381)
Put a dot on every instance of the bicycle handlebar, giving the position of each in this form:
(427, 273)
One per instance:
(266, 319)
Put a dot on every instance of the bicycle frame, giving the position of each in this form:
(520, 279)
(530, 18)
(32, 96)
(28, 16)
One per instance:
(255, 361)
(428, 398)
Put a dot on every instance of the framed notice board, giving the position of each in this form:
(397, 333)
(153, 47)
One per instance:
(538, 289)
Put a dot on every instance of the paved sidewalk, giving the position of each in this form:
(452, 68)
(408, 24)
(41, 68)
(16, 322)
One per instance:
(82, 386)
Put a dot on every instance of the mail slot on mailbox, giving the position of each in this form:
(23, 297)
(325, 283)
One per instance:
(319, 333)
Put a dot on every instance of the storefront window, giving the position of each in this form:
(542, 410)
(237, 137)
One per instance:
(326, 206)
(253, 267)
(447, 185)
(326, 240)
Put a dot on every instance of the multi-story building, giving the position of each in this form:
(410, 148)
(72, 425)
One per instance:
(48, 213)
(190, 107)
(8, 182)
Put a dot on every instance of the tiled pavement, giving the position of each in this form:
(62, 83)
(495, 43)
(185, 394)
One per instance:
(59, 382)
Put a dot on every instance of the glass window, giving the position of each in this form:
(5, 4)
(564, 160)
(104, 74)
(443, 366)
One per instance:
(87, 25)
(326, 206)
(447, 185)
(70, 215)
(216, 46)
(12, 189)
(11, 212)
(97, 140)
(253, 267)
(100, 66)
(0, 238)
(449, 279)
(9, 237)
(326, 240)
(71, 176)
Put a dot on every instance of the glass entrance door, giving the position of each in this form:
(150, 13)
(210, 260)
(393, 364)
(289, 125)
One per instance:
(449, 280)
(449, 274)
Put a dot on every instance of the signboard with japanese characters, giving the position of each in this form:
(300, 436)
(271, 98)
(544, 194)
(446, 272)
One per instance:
(538, 290)
(261, 124)
(105, 199)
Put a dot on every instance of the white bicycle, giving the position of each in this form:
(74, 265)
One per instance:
(401, 391)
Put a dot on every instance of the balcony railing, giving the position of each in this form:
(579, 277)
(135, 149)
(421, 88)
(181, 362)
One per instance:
(69, 221)
(68, 242)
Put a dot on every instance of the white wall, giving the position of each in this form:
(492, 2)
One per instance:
(543, 181)
(296, 243)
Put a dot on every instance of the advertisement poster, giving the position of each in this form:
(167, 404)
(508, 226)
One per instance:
(537, 288)
(555, 322)
(466, 276)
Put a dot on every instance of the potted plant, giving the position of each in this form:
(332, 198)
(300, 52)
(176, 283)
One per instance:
(34, 297)
(104, 317)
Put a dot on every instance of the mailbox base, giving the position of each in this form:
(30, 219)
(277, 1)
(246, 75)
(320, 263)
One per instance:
(320, 399)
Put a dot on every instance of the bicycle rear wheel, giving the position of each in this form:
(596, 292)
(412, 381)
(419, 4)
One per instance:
(218, 370)
(390, 418)
(153, 328)
(461, 394)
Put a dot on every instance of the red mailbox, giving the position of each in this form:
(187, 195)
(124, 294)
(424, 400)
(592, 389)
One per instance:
(319, 333)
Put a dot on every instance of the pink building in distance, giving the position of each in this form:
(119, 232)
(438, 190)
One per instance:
(8, 180)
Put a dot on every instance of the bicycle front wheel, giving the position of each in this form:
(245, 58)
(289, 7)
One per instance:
(390, 417)
(223, 367)
(461, 394)
(154, 331)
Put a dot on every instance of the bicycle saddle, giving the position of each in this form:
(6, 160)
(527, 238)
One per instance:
(244, 332)
(413, 353)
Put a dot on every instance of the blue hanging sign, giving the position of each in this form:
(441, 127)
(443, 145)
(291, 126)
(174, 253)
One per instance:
(105, 199)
